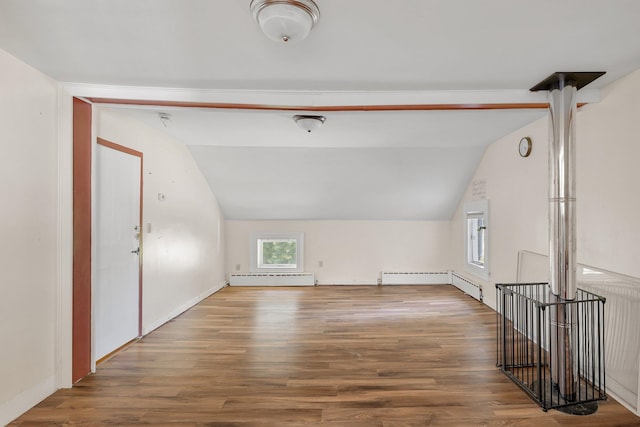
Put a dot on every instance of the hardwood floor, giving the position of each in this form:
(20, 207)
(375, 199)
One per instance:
(331, 356)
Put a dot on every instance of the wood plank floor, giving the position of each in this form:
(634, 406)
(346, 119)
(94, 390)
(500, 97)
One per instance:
(331, 356)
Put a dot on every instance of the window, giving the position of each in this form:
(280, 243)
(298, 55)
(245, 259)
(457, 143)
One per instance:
(476, 238)
(475, 231)
(273, 252)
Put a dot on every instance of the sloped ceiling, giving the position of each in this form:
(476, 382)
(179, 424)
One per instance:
(359, 165)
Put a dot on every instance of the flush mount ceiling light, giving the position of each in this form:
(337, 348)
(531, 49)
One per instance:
(309, 123)
(285, 20)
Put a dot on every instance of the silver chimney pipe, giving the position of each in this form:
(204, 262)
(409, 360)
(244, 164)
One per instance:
(562, 88)
(562, 235)
(562, 190)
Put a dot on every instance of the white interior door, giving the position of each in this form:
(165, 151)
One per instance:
(117, 285)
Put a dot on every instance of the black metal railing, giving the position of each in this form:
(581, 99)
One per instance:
(552, 348)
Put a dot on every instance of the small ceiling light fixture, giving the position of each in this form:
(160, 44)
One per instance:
(285, 20)
(164, 118)
(309, 123)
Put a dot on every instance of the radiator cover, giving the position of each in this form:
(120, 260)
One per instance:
(272, 279)
(414, 278)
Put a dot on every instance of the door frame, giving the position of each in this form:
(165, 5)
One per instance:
(81, 183)
(74, 352)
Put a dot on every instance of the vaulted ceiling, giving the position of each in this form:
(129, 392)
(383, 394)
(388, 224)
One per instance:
(411, 158)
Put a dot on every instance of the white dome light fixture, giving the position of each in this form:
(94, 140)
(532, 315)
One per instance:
(309, 123)
(285, 20)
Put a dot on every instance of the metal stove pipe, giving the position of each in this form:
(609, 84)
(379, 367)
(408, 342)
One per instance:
(562, 190)
(562, 235)
(562, 89)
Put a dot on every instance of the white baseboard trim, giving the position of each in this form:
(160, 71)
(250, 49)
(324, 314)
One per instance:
(492, 306)
(182, 308)
(26, 400)
(629, 406)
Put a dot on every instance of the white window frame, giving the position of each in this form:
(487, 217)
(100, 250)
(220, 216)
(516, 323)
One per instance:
(257, 237)
(476, 209)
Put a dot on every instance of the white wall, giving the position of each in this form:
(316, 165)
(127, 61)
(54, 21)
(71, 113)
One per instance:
(184, 253)
(608, 149)
(28, 219)
(352, 252)
(608, 179)
(183, 257)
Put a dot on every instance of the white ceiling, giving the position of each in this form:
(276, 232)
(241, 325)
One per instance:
(359, 165)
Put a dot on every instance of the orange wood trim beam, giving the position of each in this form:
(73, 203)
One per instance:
(81, 335)
(139, 154)
(119, 147)
(327, 108)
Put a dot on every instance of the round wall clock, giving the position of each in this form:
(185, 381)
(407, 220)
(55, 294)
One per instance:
(525, 146)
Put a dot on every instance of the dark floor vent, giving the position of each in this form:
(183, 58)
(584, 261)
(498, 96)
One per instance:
(527, 332)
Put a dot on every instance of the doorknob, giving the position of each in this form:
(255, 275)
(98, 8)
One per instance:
(137, 251)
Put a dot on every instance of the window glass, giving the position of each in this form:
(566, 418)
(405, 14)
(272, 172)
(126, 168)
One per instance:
(475, 230)
(476, 238)
(277, 253)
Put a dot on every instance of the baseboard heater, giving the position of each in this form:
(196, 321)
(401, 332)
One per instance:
(465, 285)
(412, 278)
(272, 279)
(423, 278)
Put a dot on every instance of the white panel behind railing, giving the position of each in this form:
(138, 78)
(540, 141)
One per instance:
(621, 321)
(272, 279)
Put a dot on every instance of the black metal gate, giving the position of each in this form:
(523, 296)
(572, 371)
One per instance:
(528, 340)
